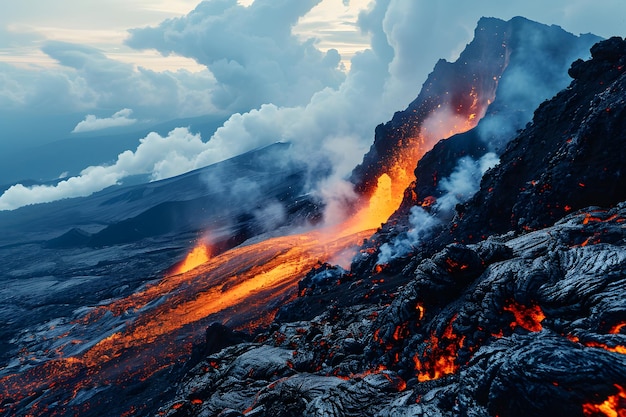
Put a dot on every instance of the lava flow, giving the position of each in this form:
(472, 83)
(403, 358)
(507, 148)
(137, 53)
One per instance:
(613, 406)
(158, 326)
(439, 357)
(395, 176)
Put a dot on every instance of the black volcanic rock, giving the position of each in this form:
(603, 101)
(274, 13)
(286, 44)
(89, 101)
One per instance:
(524, 322)
(532, 328)
(570, 157)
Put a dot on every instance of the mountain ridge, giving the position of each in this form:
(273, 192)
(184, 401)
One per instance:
(529, 322)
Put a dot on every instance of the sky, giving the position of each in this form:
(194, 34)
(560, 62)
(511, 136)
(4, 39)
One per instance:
(318, 73)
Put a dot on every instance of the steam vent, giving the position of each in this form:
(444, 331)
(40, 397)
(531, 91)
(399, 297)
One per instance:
(486, 276)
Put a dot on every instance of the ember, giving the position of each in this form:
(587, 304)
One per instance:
(439, 357)
(613, 406)
(526, 317)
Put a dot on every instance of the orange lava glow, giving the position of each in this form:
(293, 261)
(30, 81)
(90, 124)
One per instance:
(613, 406)
(199, 255)
(617, 348)
(526, 317)
(617, 328)
(442, 123)
(440, 355)
(233, 289)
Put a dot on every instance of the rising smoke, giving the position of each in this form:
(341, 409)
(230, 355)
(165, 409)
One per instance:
(457, 188)
(537, 70)
(329, 117)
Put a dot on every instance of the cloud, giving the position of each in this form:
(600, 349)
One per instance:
(251, 51)
(276, 86)
(88, 80)
(157, 156)
(91, 122)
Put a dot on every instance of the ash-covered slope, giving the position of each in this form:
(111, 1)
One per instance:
(520, 323)
(223, 197)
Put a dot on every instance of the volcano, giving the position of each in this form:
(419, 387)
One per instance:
(501, 297)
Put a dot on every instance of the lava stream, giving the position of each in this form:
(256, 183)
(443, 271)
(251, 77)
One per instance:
(233, 288)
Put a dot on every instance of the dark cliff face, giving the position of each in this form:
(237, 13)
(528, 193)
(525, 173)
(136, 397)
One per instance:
(528, 321)
(570, 157)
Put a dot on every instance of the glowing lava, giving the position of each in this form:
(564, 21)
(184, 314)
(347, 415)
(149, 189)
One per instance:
(199, 255)
(162, 322)
(439, 357)
(613, 406)
(617, 328)
(394, 178)
(526, 317)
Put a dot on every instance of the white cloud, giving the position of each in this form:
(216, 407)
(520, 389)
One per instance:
(91, 179)
(251, 51)
(88, 80)
(160, 157)
(277, 86)
(91, 122)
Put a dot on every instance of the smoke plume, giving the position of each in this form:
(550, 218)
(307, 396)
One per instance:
(457, 188)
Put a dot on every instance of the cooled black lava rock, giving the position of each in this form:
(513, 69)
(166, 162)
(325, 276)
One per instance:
(570, 157)
(532, 328)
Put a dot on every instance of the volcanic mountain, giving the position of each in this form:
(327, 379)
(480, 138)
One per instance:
(445, 310)
(515, 307)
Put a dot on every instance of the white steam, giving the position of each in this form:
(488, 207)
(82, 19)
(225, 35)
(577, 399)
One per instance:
(464, 181)
(157, 156)
(276, 86)
(91, 122)
(457, 188)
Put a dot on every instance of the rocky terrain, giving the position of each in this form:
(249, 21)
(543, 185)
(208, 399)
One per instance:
(514, 307)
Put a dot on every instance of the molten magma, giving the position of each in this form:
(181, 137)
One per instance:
(440, 354)
(199, 255)
(161, 323)
(613, 406)
(394, 179)
(526, 317)
(617, 328)
(439, 357)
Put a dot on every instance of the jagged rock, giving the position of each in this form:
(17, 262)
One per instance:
(531, 321)
(579, 135)
(511, 107)
(540, 374)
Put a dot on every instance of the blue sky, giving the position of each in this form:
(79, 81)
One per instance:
(322, 73)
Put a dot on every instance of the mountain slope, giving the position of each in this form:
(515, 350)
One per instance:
(521, 323)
